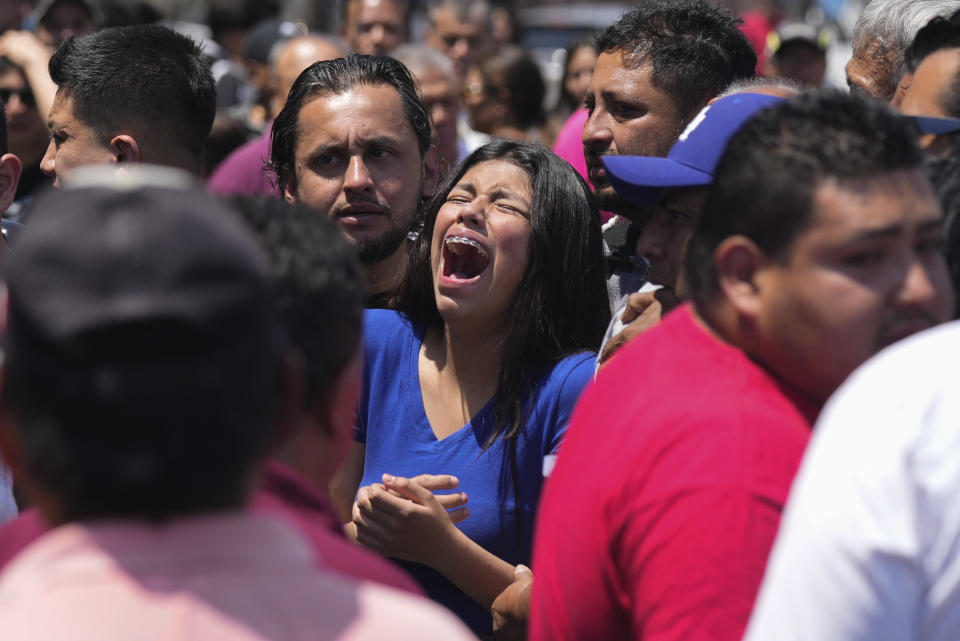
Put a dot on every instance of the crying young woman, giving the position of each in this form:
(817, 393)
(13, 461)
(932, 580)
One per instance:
(469, 386)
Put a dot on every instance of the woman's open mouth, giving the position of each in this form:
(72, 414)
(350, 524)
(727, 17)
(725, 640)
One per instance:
(463, 258)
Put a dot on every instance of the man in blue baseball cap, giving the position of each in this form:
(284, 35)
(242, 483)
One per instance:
(677, 185)
(819, 243)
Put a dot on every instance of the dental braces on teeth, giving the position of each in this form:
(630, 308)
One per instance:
(466, 241)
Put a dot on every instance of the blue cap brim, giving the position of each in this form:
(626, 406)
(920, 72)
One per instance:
(931, 125)
(641, 179)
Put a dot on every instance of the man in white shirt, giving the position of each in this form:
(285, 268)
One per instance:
(870, 544)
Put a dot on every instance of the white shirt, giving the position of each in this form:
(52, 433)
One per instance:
(869, 547)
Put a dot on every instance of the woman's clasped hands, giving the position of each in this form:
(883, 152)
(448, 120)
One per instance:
(404, 519)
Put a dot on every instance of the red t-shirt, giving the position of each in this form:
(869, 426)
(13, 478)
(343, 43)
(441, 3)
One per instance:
(283, 493)
(658, 518)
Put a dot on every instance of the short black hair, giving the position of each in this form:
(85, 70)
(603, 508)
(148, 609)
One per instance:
(318, 284)
(764, 184)
(944, 174)
(696, 50)
(334, 77)
(142, 75)
(939, 33)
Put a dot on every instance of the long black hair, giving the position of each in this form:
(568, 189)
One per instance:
(561, 306)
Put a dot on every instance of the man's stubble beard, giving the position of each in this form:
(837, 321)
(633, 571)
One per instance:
(384, 246)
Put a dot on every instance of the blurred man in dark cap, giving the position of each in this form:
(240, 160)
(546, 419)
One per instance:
(145, 364)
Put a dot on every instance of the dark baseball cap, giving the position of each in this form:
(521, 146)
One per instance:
(145, 248)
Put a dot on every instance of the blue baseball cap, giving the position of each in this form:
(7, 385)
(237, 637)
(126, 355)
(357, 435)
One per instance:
(692, 161)
(932, 125)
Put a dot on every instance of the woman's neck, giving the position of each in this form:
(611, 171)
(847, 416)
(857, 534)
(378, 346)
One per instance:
(468, 356)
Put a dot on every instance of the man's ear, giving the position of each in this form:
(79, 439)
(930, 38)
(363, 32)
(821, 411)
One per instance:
(431, 171)
(738, 263)
(288, 187)
(125, 148)
(10, 170)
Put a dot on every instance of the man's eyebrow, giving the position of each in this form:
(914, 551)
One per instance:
(935, 226)
(381, 140)
(895, 229)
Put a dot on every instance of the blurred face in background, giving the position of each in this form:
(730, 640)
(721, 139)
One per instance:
(576, 77)
(441, 96)
(26, 130)
(376, 27)
(64, 19)
(484, 108)
(458, 39)
(800, 61)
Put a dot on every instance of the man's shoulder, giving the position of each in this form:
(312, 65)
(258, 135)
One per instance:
(678, 387)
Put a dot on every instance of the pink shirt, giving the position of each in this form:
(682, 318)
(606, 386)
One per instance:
(242, 172)
(283, 493)
(236, 577)
(569, 146)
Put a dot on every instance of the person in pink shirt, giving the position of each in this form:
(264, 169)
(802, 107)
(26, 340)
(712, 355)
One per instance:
(315, 272)
(145, 366)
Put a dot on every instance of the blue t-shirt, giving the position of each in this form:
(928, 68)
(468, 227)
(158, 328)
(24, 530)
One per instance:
(400, 441)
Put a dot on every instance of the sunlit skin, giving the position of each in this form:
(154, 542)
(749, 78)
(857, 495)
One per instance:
(868, 72)
(376, 27)
(868, 271)
(295, 56)
(628, 116)
(490, 205)
(72, 144)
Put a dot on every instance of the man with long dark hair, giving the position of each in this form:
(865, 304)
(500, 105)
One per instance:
(353, 143)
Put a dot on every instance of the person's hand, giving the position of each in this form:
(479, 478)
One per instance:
(644, 310)
(512, 608)
(24, 49)
(402, 517)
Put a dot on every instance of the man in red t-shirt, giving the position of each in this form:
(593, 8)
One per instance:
(818, 245)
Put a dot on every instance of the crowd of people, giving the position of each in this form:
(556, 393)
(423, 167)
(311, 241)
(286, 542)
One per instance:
(353, 335)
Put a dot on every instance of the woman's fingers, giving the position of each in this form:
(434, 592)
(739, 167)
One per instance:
(458, 515)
